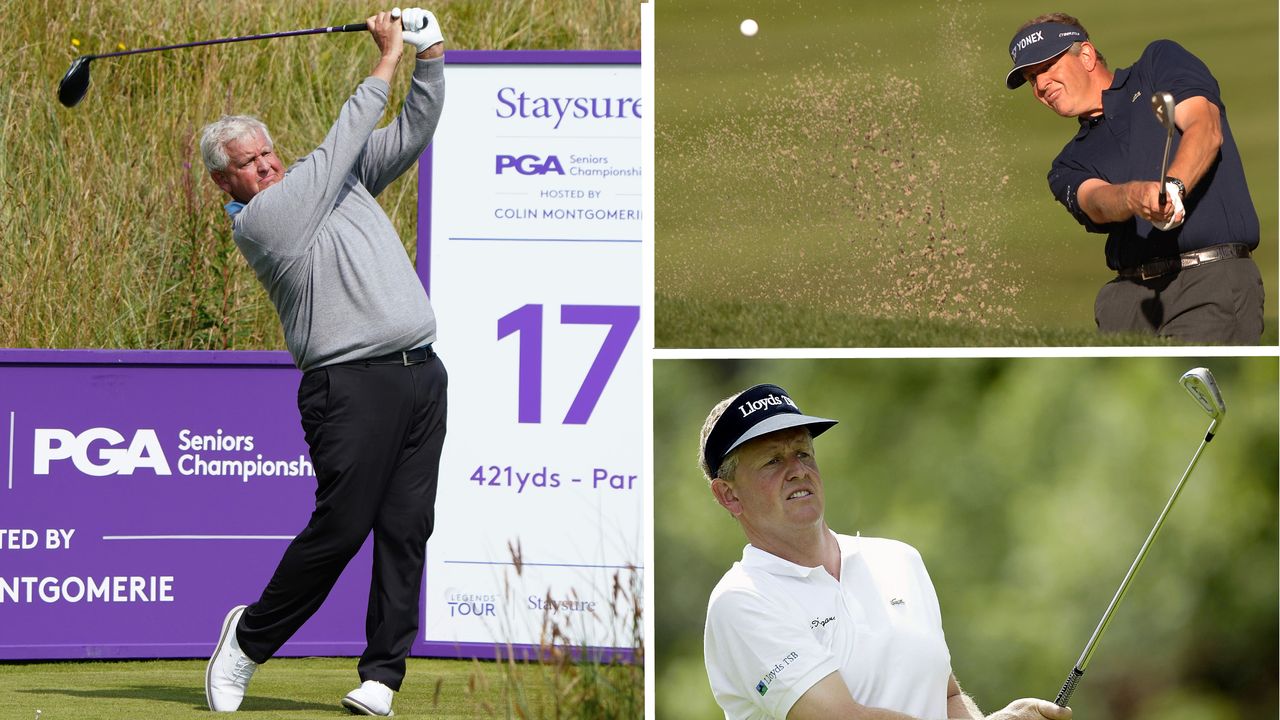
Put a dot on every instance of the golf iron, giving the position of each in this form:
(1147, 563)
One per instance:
(1162, 104)
(1200, 383)
(74, 85)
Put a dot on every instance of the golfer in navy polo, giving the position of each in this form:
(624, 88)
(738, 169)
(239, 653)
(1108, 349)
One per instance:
(1183, 267)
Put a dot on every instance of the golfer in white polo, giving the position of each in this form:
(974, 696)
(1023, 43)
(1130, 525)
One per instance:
(811, 624)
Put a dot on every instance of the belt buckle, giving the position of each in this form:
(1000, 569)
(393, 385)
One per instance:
(1159, 268)
(404, 358)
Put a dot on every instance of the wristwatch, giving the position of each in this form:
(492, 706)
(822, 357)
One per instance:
(1182, 189)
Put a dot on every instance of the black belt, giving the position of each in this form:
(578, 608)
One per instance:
(1191, 258)
(404, 357)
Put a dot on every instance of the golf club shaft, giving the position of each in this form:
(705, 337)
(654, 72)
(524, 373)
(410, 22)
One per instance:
(353, 27)
(1069, 686)
(1164, 166)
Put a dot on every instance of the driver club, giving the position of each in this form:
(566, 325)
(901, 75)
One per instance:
(1162, 104)
(1200, 383)
(74, 85)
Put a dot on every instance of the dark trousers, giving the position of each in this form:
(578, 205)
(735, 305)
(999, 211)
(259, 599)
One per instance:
(375, 434)
(1217, 303)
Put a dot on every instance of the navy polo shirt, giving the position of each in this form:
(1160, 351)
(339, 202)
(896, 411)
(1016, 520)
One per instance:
(1126, 143)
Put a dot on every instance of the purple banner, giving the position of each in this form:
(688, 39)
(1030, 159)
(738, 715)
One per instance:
(143, 494)
(140, 501)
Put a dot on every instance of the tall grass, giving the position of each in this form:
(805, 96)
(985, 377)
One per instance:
(112, 234)
(570, 676)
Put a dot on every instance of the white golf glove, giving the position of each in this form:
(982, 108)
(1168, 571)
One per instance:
(420, 28)
(1179, 212)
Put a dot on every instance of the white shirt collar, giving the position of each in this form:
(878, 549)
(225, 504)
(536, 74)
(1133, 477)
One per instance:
(754, 557)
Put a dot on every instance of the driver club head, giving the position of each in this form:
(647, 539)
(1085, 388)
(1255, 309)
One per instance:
(75, 83)
(1162, 104)
(1200, 383)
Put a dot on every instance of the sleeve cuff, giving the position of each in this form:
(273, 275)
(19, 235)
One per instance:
(801, 686)
(377, 83)
(428, 68)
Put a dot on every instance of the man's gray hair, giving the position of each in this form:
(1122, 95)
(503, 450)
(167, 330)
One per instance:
(730, 462)
(216, 135)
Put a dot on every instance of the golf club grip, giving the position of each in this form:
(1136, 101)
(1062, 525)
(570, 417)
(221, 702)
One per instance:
(1163, 196)
(351, 27)
(1068, 687)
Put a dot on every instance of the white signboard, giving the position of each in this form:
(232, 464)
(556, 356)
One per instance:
(534, 271)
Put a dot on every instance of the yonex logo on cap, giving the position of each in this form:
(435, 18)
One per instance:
(1038, 43)
(751, 406)
(1034, 37)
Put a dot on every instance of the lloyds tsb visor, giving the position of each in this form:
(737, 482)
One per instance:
(1037, 43)
(756, 411)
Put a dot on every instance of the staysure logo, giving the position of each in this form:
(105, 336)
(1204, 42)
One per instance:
(99, 451)
(528, 164)
(516, 103)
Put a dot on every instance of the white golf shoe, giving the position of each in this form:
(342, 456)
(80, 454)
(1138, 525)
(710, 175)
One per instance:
(371, 698)
(227, 676)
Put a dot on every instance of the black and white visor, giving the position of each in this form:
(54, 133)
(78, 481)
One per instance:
(1037, 43)
(756, 411)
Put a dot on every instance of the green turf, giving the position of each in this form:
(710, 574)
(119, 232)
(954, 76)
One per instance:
(292, 688)
(865, 159)
(710, 323)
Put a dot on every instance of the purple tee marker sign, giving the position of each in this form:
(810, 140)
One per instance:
(145, 494)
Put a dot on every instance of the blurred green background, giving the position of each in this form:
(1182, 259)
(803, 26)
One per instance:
(1028, 486)
(760, 212)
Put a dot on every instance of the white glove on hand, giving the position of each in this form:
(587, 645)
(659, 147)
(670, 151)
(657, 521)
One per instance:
(1179, 212)
(420, 28)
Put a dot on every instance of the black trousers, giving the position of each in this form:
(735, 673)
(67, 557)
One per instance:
(375, 434)
(1217, 303)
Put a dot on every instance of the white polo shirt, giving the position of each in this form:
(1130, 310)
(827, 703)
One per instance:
(775, 628)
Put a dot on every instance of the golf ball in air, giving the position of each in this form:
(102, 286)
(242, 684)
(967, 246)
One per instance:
(749, 27)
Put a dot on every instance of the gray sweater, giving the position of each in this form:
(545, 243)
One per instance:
(323, 248)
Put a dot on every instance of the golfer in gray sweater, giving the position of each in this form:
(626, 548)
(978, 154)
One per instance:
(360, 326)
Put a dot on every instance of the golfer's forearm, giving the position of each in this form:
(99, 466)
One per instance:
(434, 51)
(844, 711)
(829, 698)
(959, 705)
(386, 67)
(1107, 203)
(1197, 151)
(962, 707)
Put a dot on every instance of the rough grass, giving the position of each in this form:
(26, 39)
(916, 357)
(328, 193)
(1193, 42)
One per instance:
(114, 236)
(283, 688)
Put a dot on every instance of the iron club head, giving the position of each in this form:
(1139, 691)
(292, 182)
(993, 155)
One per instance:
(1200, 383)
(75, 83)
(1162, 104)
